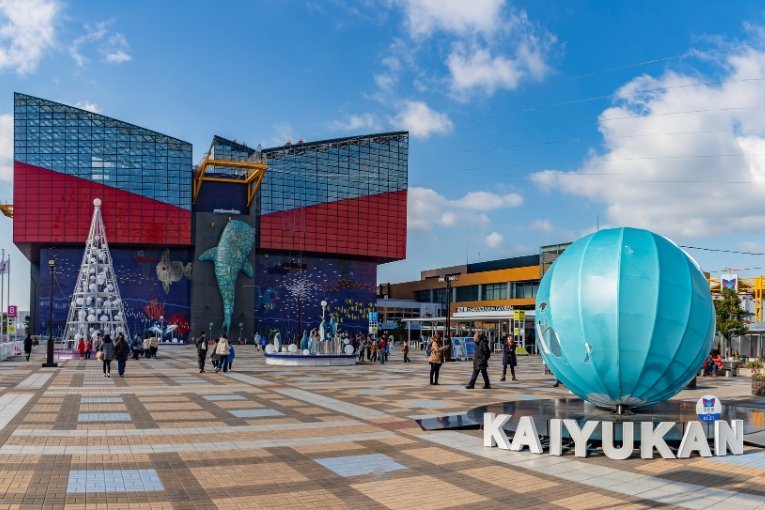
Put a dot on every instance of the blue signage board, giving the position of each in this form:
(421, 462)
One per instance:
(463, 347)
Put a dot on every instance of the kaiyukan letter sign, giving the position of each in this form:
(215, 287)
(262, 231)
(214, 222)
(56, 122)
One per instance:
(727, 437)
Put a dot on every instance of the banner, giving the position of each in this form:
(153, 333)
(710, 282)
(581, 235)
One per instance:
(729, 281)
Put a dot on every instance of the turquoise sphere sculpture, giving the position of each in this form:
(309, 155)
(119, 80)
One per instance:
(624, 317)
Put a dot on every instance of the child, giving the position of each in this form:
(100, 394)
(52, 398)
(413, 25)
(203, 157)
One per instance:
(230, 358)
(405, 350)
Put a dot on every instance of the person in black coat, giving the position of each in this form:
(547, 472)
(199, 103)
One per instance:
(201, 351)
(509, 358)
(28, 346)
(481, 361)
(121, 353)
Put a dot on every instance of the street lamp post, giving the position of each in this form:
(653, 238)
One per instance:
(49, 362)
(324, 324)
(448, 279)
(162, 328)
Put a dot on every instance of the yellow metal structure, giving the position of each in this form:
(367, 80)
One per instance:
(252, 176)
(7, 209)
(753, 286)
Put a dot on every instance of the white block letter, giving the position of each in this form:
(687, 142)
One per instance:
(556, 433)
(526, 435)
(727, 438)
(493, 433)
(628, 436)
(580, 436)
(693, 440)
(651, 438)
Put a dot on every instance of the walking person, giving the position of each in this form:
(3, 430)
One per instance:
(480, 362)
(28, 346)
(81, 347)
(107, 354)
(263, 343)
(509, 359)
(88, 348)
(362, 348)
(381, 349)
(373, 350)
(154, 346)
(230, 357)
(147, 347)
(201, 351)
(121, 353)
(214, 355)
(221, 350)
(405, 350)
(436, 357)
(136, 346)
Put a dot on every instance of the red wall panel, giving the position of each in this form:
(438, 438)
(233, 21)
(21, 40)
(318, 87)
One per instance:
(53, 208)
(372, 226)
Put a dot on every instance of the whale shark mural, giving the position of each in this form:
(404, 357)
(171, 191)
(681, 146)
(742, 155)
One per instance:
(230, 257)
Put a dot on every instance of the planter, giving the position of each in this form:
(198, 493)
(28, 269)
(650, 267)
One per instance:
(758, 385)
(745, 372)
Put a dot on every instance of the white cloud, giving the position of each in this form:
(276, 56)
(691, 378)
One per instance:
(421, 121)
(479, 69)
(682, 154)
(284, 133)
(388, 78)
(486, 201)
(360, 122)
(116, 50)
(543, 225)
(428, 209)
(6, 147)
(87, 105)
(27, 30)
(493, 240)
(423, 17)
(113, 48)
(92, 34)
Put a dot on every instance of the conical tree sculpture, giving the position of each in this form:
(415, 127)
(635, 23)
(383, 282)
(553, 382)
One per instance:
(96, 303)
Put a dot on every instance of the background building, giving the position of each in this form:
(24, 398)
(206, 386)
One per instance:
(325, 215)
(483, 295)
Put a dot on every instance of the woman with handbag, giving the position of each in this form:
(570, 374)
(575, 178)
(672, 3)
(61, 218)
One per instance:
(106, 354)
(222, 350)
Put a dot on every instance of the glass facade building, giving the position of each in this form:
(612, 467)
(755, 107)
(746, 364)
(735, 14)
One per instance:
(344, 196)
(326, 214)
(93, 147)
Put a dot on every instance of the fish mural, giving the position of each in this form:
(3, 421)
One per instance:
(171, 271)
(231, 256)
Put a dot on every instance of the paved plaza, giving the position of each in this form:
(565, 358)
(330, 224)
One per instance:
(166, 436)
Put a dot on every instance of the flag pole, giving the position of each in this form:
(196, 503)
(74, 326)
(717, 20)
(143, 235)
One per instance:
(15, 319)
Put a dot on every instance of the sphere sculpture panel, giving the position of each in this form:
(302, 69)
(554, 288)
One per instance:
(624, 317)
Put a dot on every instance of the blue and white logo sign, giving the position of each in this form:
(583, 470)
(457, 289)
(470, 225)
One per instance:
(708, 408)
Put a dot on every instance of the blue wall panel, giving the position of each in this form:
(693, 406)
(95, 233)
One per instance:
(138, 276)
(289, 291)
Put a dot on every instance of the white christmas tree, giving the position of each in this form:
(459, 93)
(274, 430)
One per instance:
(96, 303)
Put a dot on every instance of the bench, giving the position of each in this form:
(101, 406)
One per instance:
(730, 367)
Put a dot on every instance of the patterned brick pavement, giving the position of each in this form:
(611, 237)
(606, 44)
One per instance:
(166, 436)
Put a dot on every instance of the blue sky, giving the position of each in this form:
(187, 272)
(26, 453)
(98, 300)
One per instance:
(531, 122)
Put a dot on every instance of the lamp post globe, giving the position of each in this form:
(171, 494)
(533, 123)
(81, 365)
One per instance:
(49, 358)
